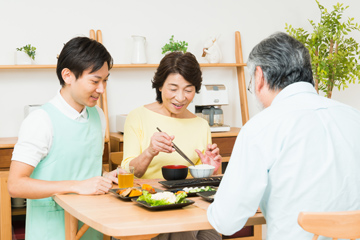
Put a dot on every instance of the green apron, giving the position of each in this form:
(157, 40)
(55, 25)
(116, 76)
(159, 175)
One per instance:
(75, 154)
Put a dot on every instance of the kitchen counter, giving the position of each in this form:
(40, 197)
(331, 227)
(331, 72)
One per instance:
(6, 149)
(8, 142)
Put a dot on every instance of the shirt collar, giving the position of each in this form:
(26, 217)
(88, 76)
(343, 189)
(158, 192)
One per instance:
(68, 110)
(293, 89)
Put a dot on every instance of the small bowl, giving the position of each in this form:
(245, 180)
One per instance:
(174, 172)
(201, 171)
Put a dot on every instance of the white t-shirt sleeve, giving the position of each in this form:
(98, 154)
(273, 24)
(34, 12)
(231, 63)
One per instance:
(35, 138)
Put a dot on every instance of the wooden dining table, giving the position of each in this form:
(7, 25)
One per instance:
(128, 220)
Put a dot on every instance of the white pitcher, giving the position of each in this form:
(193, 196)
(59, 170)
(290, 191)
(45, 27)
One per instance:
(138, 55)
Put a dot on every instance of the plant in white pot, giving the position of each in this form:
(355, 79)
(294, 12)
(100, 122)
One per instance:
(25, 54)
(174, 46)
(335, 58)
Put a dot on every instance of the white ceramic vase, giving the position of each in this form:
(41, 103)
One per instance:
(138, 55)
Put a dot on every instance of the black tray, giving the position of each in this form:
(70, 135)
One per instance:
(193, 182)
(208, 196)
(128, 198)
(164, 207)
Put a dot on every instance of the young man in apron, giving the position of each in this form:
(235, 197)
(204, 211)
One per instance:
(60, 146)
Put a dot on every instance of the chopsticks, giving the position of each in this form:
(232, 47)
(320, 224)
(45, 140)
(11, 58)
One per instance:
(179, 151)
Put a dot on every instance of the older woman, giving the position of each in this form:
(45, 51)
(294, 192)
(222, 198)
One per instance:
(176, 81)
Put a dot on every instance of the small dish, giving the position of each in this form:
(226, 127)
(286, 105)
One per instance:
(174, 172)
(164, 207)
(208, 196)
(201, 171)
(128, 198)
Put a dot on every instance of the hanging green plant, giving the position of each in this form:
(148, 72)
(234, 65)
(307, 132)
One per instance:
(29, 50)
(173, 46)
(335, 57)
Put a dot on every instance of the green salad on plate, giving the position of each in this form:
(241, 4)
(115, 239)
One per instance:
(162, 198)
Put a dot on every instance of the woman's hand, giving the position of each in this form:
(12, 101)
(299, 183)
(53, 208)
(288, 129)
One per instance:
(112, 175)
(160, 142)
(212, 156)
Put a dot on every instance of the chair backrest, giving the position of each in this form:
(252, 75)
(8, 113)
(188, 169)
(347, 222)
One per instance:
(331, 224)
(116, 159)
(5, 207)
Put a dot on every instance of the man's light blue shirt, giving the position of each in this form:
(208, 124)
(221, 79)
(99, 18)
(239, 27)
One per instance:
(300, 154)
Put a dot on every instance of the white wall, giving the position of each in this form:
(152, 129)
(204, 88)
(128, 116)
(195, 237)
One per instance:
(49, 24)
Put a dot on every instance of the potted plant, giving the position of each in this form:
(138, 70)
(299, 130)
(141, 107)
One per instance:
(25, 54)
(173, 46)
(334, 56)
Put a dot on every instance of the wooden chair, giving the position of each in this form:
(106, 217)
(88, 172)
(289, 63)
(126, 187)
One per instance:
(115, 159)
(331, 224)
(102, 102)
(5, 207)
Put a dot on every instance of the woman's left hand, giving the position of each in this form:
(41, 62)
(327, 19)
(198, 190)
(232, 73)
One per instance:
(212, 156)
(111, 175)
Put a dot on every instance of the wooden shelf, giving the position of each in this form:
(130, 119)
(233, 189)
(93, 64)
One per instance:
(27, 66)
(121, 66)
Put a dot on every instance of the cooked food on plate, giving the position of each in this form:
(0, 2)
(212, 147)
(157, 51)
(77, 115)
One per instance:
(198, 189)
(135, 192)
(148, 188)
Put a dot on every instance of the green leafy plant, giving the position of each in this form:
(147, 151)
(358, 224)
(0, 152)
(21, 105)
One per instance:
(29, 50)
(335, 59)
(173, 46)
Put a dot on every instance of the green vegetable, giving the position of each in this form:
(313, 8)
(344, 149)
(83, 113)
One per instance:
(208, 188)
(180, 198)
(146, 196)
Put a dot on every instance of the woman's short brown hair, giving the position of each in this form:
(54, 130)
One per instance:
(184, 64)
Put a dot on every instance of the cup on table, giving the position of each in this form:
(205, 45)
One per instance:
(125, 177)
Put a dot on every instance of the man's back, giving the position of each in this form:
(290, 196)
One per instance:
(317, 163)
(300, 154)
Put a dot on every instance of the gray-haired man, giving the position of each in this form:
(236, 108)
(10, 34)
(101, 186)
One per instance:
(301, 153)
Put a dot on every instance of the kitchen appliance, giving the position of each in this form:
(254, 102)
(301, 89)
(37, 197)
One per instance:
(208, 106)
(30, 108)
(120, 122)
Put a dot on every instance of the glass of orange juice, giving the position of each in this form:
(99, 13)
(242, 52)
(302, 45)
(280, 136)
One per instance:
(125, 177)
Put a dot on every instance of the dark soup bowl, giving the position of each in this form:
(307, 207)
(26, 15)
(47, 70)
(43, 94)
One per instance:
(174, 172)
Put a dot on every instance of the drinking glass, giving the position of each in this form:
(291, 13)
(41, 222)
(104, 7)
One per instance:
(126, 179)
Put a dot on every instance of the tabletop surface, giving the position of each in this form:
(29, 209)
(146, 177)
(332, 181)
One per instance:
(116, 217)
